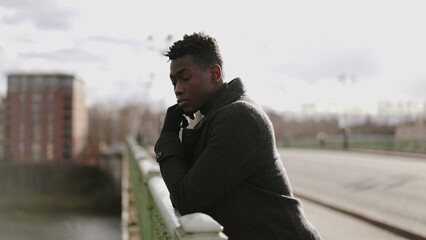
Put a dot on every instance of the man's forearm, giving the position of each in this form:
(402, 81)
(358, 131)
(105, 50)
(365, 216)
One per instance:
(170, 156)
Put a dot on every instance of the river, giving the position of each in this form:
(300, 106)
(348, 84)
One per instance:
(19, 225)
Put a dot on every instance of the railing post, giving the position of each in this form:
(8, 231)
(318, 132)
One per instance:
(199, 226)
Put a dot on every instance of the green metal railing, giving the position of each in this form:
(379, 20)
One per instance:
(385, 143)
(157, 218)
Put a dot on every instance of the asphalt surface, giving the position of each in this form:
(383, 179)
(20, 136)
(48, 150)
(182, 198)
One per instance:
(386, 191)
(334, 225)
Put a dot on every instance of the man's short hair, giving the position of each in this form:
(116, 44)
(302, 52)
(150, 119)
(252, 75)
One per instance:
(203, 48)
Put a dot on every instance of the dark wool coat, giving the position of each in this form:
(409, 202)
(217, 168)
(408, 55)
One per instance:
(228, 167)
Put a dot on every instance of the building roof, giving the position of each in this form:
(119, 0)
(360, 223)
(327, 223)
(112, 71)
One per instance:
(43, 74)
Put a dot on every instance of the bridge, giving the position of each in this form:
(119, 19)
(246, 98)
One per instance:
(386, 192)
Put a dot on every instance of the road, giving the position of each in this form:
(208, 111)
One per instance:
(334, 225)
(384, 189)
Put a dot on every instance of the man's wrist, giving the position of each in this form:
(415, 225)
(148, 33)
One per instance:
(167, 146)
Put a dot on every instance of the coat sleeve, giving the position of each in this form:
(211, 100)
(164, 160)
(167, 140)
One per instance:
(231, 155)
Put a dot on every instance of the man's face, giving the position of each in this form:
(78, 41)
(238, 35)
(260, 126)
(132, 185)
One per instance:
(192, 85)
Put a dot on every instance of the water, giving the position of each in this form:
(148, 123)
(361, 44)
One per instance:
(16, 225)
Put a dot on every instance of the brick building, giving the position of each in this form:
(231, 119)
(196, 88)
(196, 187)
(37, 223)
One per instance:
(2, 130)
(46, 118)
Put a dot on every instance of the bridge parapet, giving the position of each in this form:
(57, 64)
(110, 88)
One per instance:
(156, 216)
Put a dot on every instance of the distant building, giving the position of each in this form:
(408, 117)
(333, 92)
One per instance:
(417, 131)
(2, 130)
(46, 118)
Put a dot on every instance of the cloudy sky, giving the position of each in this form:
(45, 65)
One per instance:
(313, 55)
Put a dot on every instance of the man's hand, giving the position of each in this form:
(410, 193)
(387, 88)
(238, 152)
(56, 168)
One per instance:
(175, 119)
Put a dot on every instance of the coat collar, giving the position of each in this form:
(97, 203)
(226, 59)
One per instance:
(227, 93)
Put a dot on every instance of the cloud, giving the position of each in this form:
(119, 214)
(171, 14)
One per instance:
(43, 14)
(113, 40)
(21, 4)
(60, 19)
(414, 87)
(361, 63)
(136, 44)
(23, 38)
(72, 55)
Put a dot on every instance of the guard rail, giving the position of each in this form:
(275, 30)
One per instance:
(157, 218)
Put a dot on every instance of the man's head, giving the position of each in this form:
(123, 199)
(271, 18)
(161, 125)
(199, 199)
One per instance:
(195, 70)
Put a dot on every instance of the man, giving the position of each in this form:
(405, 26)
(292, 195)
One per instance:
(227, 166)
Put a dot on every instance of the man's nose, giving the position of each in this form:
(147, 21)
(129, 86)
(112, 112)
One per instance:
(179, 89)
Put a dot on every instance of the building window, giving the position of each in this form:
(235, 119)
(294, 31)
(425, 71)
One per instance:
(49, 151)
(38, 83)
(51, 83)
(67, 151)
(50, 117)
(36, 116)
(21, 108)
(51, 97)
(67, 131)
(67, 106)
(66, 83)
(36, 107)
(12, 84)
(22, 116)
(67, 97)
(36, 152)
(67, 116)
(23, 84)
(21, 148)
(50, 131)
(22, 131)
(67, 146)
(36, 97)
(22, 97)
(50, 107)
(36, 132)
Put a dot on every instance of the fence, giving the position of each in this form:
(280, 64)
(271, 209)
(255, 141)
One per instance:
(371, 142)
(156, 216)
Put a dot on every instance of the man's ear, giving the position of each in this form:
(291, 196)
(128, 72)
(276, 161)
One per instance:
(216, 73)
